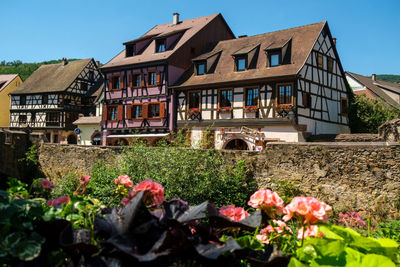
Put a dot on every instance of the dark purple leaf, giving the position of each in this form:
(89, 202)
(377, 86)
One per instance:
(213, 251)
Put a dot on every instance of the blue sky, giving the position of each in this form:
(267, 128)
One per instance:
(367, 32)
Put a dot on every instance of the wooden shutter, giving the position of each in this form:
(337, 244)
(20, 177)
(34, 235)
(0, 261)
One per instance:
(104, 115)
(120, 113)
(121, 82)
(110, 84)
(162, 110)
(305, 100)
(130, 81)
(145, 111)
(157, 78)
(142, 80)
(129, 112)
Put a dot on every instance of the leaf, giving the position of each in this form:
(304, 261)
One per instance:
(213, 251)
(296, 263)
(175, 209)
(372, 260)
(195, 213)
(353, 257)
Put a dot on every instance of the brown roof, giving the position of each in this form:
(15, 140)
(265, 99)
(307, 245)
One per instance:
(303, 39)
(190, 28)
(377, 86)
(52, 77)
(5, 80)
(88, 120)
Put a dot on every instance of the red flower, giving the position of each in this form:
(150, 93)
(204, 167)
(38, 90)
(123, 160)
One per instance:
(268, 201)
(46, 184)
(84, 182)
(154, 192)
(125, 180)
(308, 208)
(234, 213)
(58, 201)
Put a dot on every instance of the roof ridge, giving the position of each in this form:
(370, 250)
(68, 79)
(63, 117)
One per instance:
(186, 20)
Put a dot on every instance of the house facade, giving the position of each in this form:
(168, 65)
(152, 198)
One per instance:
(8, 83)
(278, 86)
(373, 88)
(52, 98)
(138, 101)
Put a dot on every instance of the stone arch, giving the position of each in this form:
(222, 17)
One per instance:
(72, 139)
(236, 144)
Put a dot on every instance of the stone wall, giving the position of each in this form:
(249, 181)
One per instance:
(349, 176)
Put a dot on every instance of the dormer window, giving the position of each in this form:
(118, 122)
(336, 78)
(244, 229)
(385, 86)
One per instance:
(279, 53)
(130, 50)
(274, 59)
(160, 45)
(241, 64)
(201, 68)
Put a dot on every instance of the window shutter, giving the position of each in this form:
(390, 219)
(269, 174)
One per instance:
(121, 81)
(104, 115)
(162, 110)
(142, 80)
(129, 112)
(110, 84)
(305, 100)
(157, 78)
(120, 113)
(145, 111)
(130, 81)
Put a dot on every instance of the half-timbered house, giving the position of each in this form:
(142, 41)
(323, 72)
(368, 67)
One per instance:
(277, 86)
(8, 83)
(138, 101)
(52, 98)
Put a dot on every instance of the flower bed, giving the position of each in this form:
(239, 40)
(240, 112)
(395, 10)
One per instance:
(148, 230)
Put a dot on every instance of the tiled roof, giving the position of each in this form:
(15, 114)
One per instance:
(303, 39)
(52, 77)
(190, 27)
(376, 87)
(5, 80)
(88, 120)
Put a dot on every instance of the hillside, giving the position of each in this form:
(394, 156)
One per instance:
(23, 69)
(388, 77)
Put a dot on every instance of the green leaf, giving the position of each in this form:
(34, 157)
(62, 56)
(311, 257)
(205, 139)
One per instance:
(296, 263)
(373, 260)
(353, 257)
(306, 253)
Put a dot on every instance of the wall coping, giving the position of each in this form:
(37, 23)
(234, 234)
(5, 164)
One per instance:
(337, 144)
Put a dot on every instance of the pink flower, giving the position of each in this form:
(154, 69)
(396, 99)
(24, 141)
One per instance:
(279, 227)
(46, 184)
(116, 181)
(155, 192)
(308, 208)
(125, 201)
(58, 201)
(312, 231)
(125, 180)
(351, 219)
(266, 200)
(84, 182)
(262, 238)
(234, 213)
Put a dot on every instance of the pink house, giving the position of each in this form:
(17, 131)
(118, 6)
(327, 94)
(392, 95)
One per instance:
(138, 101)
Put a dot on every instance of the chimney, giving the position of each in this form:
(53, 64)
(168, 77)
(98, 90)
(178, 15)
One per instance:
(98, 64)
(64, 61)
(175, 18)
(334, 41)
(374, 77)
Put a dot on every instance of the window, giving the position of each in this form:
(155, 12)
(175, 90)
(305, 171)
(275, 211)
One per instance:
(306, 100)
(84, 86)
(330, 64)
(22, 119)
(45, 99)
(136, 80)
(160, 45)
(91, 75)
(251, 97)
(116, 82)
(201, 68)
(194, 100)
(240, 64)
(22, 100)
(274, 60)
(112, 113)
(52, 119)
(320, 60)
(152, 78)
(154, 110)
(225, 98)
(137, 111)
(343, 106)
(284, 94)
(130, 50)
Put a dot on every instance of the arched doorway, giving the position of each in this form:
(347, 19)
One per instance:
(236, 144)
(96, 139)
(71, 139)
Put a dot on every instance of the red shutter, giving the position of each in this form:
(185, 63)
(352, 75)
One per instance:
(110, 84)
(142, 81)
(129, 112)
(157, 78)
(121, 82)
(145, 111)
(120, 113)
(162, 110)
(104, 115)
(130, 81)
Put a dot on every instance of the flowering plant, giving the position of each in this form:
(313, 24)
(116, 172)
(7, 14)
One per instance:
(351, 219)
(154, 193)
(84, 180)
(234, 213)
(283, 107)
(250, 108)
(268, 201)
(194, 109)
(222, 109)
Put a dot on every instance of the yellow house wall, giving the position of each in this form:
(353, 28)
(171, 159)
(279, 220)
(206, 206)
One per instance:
(5, 101)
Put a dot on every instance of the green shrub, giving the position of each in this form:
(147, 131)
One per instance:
(66, 185)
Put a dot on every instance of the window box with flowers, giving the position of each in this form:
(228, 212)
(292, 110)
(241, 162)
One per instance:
(251, 109)
(224, 109)
(283, 109)
(194, 111)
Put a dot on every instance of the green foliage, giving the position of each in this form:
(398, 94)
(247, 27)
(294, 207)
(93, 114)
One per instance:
(24, 69)
(287, 190)
(66, 185)
(17, 189)
(390, 229)
(31, 156)
(345, 247)
(16, 228)
(389, 77)
(366, 114)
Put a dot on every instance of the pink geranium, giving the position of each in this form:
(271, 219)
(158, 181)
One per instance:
(154, 195)
(234, 213)
(58, 201)
(351, 219)
(46, 184)
(277, 227)
(312, 231)
(84, 180)
(309, 209)
(268, 201)
(125, 180)
(263, 239)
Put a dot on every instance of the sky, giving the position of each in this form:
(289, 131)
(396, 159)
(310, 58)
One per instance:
(367, 32)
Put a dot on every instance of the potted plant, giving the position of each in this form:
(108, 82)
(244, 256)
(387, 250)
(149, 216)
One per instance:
(283, 108)
(250, 108)
(224, 109)
(194, 111)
